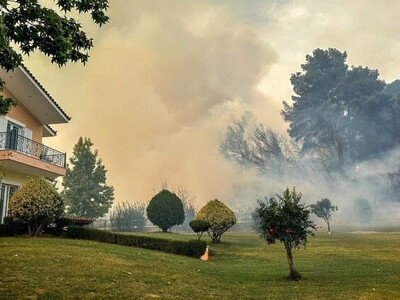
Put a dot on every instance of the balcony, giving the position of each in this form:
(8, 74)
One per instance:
(23, 155)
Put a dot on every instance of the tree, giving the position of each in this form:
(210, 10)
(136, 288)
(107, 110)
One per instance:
(36, 204)
(324, 209)
(27, 26)
(312, 119)
(336, 110)
(286, 220)
(253, 145)
(85, 189)
(165, 210)
(219, 216)
(199, 226)
(128, 217)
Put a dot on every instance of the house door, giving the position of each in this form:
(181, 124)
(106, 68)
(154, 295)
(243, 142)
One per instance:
(6, 192)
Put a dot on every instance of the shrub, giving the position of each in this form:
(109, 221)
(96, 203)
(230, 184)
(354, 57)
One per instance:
(36, 204)
(57, 228)
(219, 216)
(13, 227)
(128, 217)
(5, 230)
(191, 248)
(199, 226)
(80, 232)
(165, 210)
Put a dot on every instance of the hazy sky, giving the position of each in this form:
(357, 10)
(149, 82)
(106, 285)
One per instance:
(166, 77)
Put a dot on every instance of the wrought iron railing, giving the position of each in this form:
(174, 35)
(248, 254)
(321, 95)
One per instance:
(12, 141)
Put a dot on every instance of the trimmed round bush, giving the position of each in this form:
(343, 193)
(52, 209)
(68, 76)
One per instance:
(165, 210)
(199, 226)
(36, 204)
(219, 216)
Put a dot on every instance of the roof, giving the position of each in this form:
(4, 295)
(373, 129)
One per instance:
(48, 131)
(24, 87)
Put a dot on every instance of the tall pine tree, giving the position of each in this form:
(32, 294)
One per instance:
(85, 189)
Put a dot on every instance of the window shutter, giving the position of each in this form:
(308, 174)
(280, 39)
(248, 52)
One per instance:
(3, 132)
(3, 124)
(28, 133)
(27, 144)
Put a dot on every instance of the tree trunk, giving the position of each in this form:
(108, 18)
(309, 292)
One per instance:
(329, 227)
(290, 259)
(339, 148)
(38, 230)
(293, 275)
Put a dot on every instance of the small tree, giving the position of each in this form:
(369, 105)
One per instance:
(220, 217)
(128, 217)
(286, 220)
(165, 210)
(324, 209)
(199, 226)
(36, 204)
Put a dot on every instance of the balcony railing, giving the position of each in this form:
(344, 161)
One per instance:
(12, 141)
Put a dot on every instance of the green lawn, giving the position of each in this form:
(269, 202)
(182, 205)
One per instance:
(341, 266)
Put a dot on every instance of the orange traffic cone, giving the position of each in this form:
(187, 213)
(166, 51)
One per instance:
(205, 255)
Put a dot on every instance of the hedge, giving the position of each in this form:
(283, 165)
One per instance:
(193, 248)
(5, 230)
(11, 228)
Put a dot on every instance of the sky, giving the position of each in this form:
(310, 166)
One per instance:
(165, 78)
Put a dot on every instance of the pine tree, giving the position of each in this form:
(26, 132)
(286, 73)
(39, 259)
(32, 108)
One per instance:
(85, 189)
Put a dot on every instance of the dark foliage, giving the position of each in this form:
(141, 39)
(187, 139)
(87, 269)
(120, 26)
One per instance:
(342, 114)
(191, 248)
(165, 210)
(59, 226)
(11, 227)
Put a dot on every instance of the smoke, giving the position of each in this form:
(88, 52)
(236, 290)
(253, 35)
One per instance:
(166, 78)
(364, 192)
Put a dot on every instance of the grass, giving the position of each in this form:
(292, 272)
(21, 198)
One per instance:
(340, 266)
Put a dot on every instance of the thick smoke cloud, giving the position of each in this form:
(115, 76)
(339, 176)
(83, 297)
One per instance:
(166, 77)
(163, 81)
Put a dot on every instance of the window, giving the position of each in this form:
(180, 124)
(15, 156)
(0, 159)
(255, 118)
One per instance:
(13, 131)
(6, 192)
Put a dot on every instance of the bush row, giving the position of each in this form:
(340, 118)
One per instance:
(191, 248)
(11, 228)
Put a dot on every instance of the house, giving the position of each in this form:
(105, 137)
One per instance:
(22, 152)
